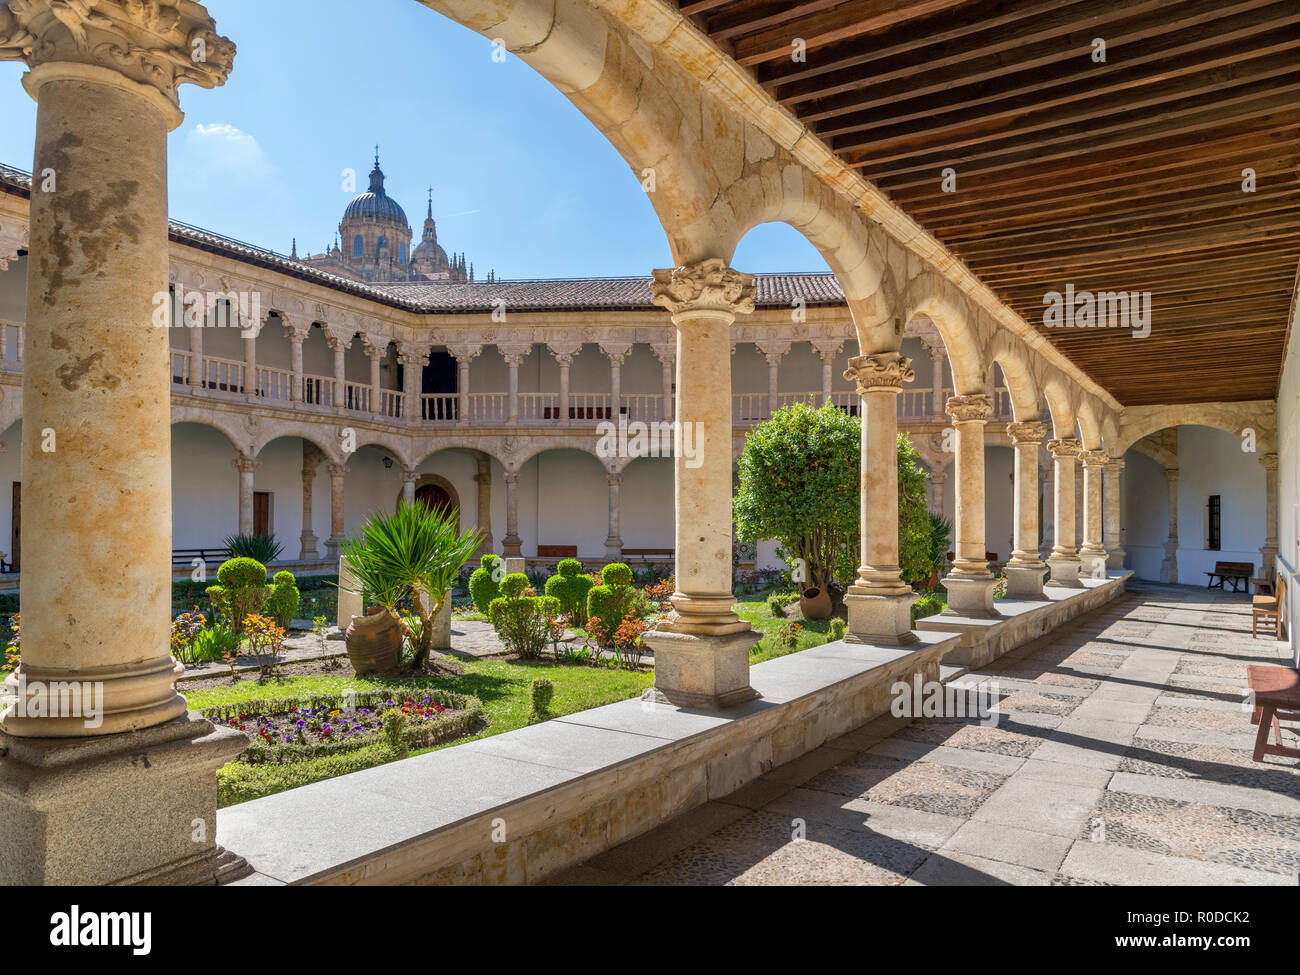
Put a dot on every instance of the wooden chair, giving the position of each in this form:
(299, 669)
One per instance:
(1276, 690)
(1267, 608)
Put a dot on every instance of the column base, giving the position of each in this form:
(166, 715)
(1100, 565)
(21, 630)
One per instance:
(1025, 581)
(1065, 571)
(512, 547)
(883, 620)
(1169, 569)
(1115, 558)
(708, 673)
(1092, 565)
(332, 546)
(614, 548)
(133, 808)
(308, 552)
(970, 596)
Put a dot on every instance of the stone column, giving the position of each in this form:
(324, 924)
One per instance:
(295, 365)
(512, 399)
(1092, 555)
(484, 480)
(702, 649)
(339, 348)
(614, 541)
(311, 458)
(337, 473)
(564, 360)
(198, 365)
(667, 358)
(1026, 569)
(1046, 501)
(1111, 528)
(375, 354)
(879, 602)
(615, 385)
(103, 786)
(246, 466)
(512, 544)
(1269, 550)
(462, 391)
(1169, 567)
(936, 376)
(250, 361)
(970, 583)
(409, 477)
(828, 375)
(938, 479)
(773, 380)
(1064, 560)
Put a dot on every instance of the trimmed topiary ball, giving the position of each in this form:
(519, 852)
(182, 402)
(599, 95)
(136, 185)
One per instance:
(485, 582)
(241, 573)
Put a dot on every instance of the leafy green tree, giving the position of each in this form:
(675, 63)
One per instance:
(799, 483)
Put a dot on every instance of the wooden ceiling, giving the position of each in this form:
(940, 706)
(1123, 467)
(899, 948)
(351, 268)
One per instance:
(1122, 175)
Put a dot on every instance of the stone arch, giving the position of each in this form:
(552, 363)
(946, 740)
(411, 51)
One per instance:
(538, 445)
(1013, 359)
(314, 438)
(471, 445)
(1137, 422)
(395, 446)
(229, 430)
(1089, 425)
(1059, 404)
(440, 482)
(940, 301)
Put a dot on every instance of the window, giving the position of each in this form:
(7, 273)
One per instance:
(383, 242)
(401, 252)
(1215, 541)
(358, 246)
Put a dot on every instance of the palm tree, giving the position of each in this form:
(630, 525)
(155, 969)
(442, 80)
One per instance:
(412, 556)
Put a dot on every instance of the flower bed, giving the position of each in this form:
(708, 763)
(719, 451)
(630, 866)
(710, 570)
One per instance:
(296, 729)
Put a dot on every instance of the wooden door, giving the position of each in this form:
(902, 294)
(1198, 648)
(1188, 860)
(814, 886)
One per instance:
(261, 512)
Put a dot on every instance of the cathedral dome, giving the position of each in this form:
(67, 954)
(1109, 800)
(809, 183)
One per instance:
(375, 204)
(429, 252)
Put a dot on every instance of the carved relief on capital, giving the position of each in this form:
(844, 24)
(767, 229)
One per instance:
(665, 352)
(709, 285)
(1268, 461)
(245, 465)
(883, 370)
(1093, 458)
(159, 44)
(374, 346)
(409, 354)
(1031, 432)
(616, 352)
(1065, 447)
(464, 353)
(969, 408)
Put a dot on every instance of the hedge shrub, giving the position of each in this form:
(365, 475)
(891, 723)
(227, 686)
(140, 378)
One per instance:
(485, 583)
(571, 587)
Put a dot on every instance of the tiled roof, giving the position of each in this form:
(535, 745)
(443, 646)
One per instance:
(574, 294)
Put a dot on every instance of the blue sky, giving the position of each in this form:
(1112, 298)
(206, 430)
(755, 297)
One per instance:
(523, 183)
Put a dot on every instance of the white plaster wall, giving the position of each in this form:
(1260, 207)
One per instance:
(1288, 481)
(1144, 514)
(13, 291)
(205, 487)
(10, 472)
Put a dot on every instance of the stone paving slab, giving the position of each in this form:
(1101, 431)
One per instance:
(1120, 755)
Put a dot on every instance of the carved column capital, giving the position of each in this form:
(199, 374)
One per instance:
(245, 465)
(883, 370)
(1093, 458)
(1268, 461)
(1115, 465)
(336, 470)
(709, 286)
(144, 45)
(510, 477)
(969, 408)
(410, 476)
(1065, 447)
(1032, 432)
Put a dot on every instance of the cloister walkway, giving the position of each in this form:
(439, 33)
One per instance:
(1121, 755)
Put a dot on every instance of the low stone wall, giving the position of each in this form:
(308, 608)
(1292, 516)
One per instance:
(1021, 621)
(514, 808)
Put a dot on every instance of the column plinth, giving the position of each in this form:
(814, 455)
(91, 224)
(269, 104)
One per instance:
(512, 544)
(614, 540)
(1092, 553)
(702, 648)
(970, 584)
(1111, 527)
(1064, 560)
(879, 602)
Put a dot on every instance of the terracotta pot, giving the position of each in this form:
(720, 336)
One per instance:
(815, 604)
(374, 642)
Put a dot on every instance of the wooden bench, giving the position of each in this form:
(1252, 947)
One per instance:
(186, 556)
(1234, 572)
(649, 554)
(1274, 690)
(557, 551)
(1267, 607)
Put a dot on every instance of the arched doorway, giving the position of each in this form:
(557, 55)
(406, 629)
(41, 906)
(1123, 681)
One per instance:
(433, 496)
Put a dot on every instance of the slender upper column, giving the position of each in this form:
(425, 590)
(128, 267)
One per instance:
(828, 375)
(614, 541)
(1092, 554)
(413, 362)
(773, 358)
(296, 338)
(409, 477)
(375, 352)
(564, 360)
(703, 300)
(666, 356)
(512, 544)
(1112, 529)
(198, 365)
(937, 355)
(250, 361)
(340, 348)
(513, 359)
(1064, 560)
(1026, 568)
(1269, 549)
(615, 384)
(464, 355)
